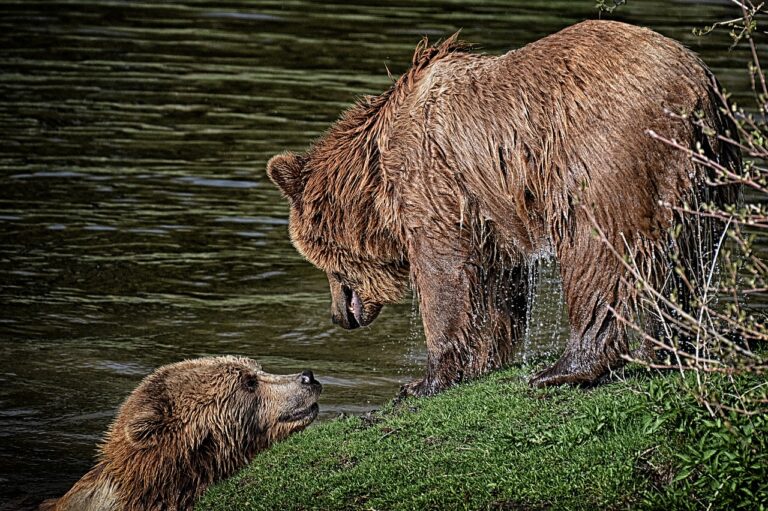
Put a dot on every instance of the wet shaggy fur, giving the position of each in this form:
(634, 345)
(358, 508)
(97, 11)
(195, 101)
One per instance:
(471, 167)
(186, 426)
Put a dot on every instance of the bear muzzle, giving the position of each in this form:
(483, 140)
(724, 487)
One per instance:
(303, 415)
(309, 383)
(348, 309)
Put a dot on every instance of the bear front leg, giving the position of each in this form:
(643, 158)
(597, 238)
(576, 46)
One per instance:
(473, 311)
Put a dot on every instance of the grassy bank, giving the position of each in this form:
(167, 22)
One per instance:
(641, 442)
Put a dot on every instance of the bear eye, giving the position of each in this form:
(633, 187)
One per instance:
(250, 382)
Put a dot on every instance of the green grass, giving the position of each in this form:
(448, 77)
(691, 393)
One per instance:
(498, 444)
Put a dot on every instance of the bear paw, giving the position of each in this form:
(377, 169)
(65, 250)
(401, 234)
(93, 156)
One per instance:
(559, 375)
(419, 388)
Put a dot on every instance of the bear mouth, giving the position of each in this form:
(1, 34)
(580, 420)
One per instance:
(354, 307)
(306, 415)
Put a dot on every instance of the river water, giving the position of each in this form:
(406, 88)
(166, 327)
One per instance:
(137, 226)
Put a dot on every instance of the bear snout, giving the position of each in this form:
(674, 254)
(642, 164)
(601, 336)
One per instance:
(309, 383)
(348, 310)
(307, 377)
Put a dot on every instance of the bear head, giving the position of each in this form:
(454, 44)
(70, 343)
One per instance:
(226, 406)
(187, 426)
(335, 224)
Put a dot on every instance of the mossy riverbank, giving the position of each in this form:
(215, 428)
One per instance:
(640, 441)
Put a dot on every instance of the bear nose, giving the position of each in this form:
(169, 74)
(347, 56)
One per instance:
(307, 378)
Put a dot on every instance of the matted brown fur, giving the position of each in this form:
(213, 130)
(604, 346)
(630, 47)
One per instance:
(471, 167)
(186, 426)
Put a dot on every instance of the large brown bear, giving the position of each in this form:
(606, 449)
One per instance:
(186, 426)
(471, 167)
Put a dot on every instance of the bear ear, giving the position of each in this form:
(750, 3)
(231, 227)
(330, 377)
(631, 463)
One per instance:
(286, 170)
(143, 427)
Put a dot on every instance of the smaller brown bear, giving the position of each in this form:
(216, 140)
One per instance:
(186, 426)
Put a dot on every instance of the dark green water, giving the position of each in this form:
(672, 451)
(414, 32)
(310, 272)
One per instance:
(137, 226)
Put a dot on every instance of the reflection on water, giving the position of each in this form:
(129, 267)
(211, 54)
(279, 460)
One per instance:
(138, 227)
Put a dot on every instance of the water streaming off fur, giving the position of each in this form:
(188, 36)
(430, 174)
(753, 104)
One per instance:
(138, 227)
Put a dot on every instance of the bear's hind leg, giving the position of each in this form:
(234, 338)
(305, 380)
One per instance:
(592, 286)
(588, 356)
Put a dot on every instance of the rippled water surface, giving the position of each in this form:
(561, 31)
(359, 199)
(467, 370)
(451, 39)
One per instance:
(137, 225)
